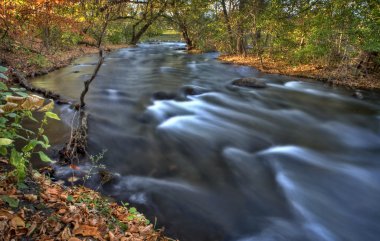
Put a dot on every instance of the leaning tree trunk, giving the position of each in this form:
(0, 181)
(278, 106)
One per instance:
(136, 36)
(186, 37)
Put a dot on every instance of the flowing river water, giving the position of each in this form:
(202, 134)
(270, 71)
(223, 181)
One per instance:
(297, 160)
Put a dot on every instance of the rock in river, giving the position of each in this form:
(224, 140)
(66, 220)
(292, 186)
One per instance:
(250, 83)
(161, 95)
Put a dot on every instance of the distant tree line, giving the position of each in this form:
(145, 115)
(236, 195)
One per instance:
(326, 32)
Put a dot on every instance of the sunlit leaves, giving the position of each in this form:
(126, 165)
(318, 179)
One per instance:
(44, 157)
(52, 115)
(5, 141)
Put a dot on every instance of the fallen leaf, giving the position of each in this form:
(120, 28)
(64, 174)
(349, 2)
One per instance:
(87, 231)
(17, 222)
(66, 234)
(30, 197)
(47, 107)
(15, 99)
(32, 102)
(4, 214)
(62, 211)
(57, 227)
(75, 167)
(52, 191)
(74, 239)
(72, 179)
(111, 236)
(31, 228)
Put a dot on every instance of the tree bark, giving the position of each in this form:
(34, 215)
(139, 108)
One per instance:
(228, 24)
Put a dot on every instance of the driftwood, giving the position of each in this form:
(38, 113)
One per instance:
(88, 82)
(77, 144)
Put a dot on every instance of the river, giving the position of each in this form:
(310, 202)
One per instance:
(297, 160)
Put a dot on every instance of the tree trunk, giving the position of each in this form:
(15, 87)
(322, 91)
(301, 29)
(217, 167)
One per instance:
(240, 43)
(227, 20)
(136, 36)
(187, 38)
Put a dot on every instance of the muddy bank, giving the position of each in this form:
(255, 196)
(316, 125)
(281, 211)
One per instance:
(332, 76)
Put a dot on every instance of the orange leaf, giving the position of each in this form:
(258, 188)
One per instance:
(86, 230)
(75, 167)
(5, 214)
(74, 239)
(17, 222)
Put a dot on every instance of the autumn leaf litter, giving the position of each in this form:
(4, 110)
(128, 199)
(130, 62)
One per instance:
(44, 210)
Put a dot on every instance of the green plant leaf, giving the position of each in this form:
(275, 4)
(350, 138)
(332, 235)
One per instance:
(3, 150)
(46, 139)
(21, 137)
(15, 125)
(12, 115)
(12, 202)
(22, 94)
(16, 158)
(3, 120)
(70, 198)
(3, 69)
(52, 115)
(45, 146)
(3, 86)
(2, 76)
(30, 146)
(44, 157)
(21, 186)
(5, 141)
(132, 210)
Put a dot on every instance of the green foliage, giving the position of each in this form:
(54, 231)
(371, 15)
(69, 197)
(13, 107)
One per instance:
(116, 35)
(39, 60)
(68, 39)
(12, 202)
(14, 110)
(95, 164)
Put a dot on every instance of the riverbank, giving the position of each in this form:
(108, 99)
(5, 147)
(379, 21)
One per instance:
(40, 209)
(333, 76)
(33, 63)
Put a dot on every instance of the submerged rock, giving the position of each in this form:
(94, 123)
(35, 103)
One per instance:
(180, 48)
(358, 95)
(250, 83)
(192, 90)
(180, 94)
(161, 95)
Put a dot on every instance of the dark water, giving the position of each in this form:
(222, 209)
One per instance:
(295, 161)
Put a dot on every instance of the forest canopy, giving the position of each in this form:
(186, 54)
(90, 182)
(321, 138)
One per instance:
(312, 31)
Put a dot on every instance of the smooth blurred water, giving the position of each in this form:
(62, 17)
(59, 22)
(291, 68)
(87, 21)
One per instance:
(297, 160)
